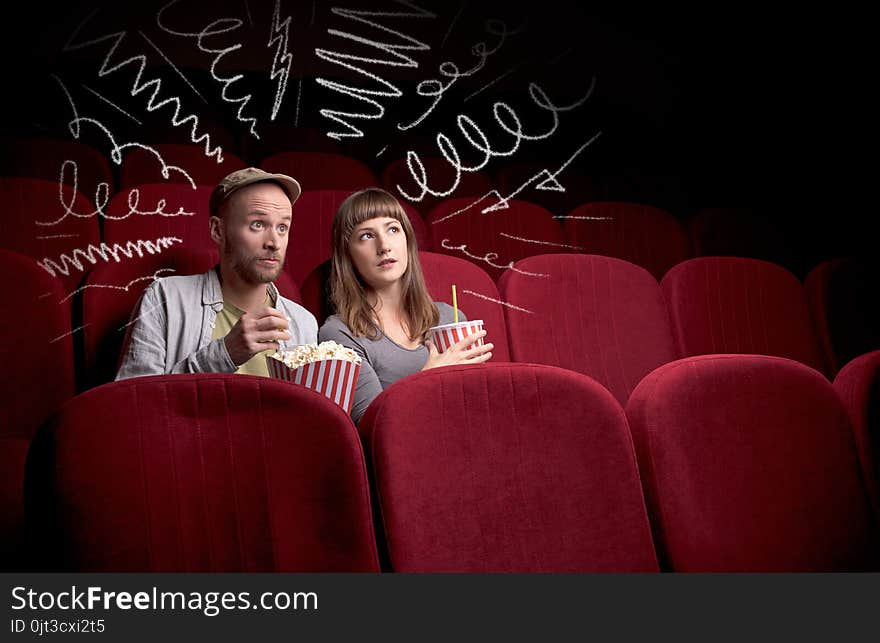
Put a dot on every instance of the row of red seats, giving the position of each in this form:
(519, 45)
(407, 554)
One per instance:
(595, 315)
(50, 222)
(730, 463)
(601, 316)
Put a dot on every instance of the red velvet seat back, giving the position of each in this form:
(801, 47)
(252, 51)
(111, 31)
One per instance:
(34, 221)
(596, 315)
(496, 238)
(844, 297)
(476, 293)
(749, 464)
(858, 386)
(207, 472)
(506, 468)
(735, 305)
(36, 348)
(641, 234)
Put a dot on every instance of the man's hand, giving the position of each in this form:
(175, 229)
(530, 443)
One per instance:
(255, 332)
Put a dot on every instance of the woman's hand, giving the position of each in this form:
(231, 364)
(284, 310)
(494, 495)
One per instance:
(462, 352)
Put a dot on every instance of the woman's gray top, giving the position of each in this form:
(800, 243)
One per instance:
(383, 361)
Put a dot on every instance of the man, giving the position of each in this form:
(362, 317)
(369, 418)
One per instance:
(229, 318)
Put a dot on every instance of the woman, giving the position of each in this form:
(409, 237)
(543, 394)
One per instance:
(384, 312)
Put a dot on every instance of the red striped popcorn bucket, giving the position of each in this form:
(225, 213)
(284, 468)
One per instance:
(448, 334)
(336, 379)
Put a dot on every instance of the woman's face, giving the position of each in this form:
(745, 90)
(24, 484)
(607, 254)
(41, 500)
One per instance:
(378, 251)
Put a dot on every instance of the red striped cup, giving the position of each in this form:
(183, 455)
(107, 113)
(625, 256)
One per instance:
(448, 334)
(336, 379)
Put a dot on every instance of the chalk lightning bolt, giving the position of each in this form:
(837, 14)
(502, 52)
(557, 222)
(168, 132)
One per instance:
(283, 58)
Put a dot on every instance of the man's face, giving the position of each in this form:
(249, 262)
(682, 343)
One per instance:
(252, 232)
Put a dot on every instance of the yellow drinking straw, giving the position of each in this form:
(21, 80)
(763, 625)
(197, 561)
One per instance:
(454, 304)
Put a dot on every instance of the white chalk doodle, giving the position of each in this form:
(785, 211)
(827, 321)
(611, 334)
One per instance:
(347, 60)
(435, 89)
(497, 301)
(173, 66)
(452, 24)
(489, 258)
(539, 242)
(68, 333)
(299, 92)
(153, 277)
(68, 189)
(579, 218)
(57, 236)
(492, 82)
(508, 120)
(143, 313)
(283, 58)
(112, 104)
(216, 28)
(102, 190)
(138, 86)
(546, 179)
(92, 253)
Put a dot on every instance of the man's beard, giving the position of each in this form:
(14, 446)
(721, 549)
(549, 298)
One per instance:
(248, 268)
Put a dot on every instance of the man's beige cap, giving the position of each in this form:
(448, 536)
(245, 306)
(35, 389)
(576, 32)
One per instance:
(247, 176)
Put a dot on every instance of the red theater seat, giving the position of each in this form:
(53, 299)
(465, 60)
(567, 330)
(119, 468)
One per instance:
(599, 316)
(321, 170)
(34, 221)
(735, 305)
(38, 377)
(496, 238)
(476, 293)
(310, 242)
(844, 297)
(506, 468)
(641, 234)
(858, 386)
(200, 473)
(741, 232)
(113, 290)
(141, 166)
(749, 465)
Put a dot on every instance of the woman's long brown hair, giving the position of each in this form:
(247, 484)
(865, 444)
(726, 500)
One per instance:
(347, 289)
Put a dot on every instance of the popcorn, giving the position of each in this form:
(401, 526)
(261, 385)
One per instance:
(328, 368)
(306, 353)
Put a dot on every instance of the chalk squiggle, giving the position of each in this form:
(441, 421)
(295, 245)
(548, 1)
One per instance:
(489, 258)
(280, 31)
(92, 252)
(543, 243)
(342, 59)
(137, 87)
(497, 301)
(124, 288)
(209, 31)
(116, 150)
(508, 120)
(548, 181)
